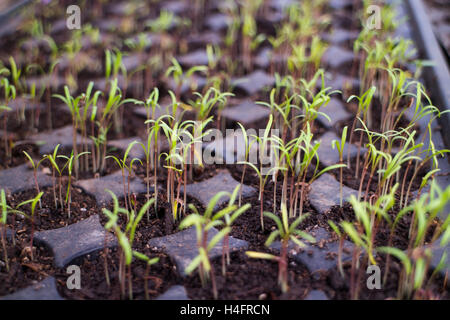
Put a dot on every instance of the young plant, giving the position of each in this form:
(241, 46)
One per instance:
(33, 202)
(79, 108)
(204, 104)
(126, 238)
(362, 232)
(247, 147)
(152, 151)
(124, 164)
(69, 165)
(340, 145)
(203, 223)
(9, 95)
(107, 113)
(263, 143)
(229, 219)
(287, 233)
(148, 262)
(35, 166)
(180, 76)
(52, 158)
(364, 104)
(5, 210)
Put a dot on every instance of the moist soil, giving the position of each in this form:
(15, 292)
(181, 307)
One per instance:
(24, 269)
(161, 276)
(242, 280)
(50, 216)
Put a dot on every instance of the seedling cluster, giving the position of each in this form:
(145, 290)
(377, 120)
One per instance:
(101, 79)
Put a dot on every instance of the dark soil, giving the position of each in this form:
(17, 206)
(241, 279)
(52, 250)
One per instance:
(242, 280)
(24, 270)
(49, 216)
(162, 276)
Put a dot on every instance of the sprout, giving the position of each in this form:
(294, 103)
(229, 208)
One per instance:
(5, 209)
(286, 232)
(79, 109)
(363, 231)
(122, 163)
(35, 166)
(55, 168)
(263, 144)
(69, 165)
(125, 239)
(9, 95)
(33, 203)
(339, 145)
(179, 76)
(149, 262)
(203, 223)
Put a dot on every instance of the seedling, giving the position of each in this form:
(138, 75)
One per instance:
(203, 223)
(363, 231)
(149, 262)
(3, 221)
(33, 202)
(364, 103)
(180, 77)
(339, 145)
(55, 168)
(9, 95)
(107, 113)
(122, 163)
(229, 219)
(69, 165)
(35, 166)
(125, 239)
(286, 232)
(263, 144)
(79, 108)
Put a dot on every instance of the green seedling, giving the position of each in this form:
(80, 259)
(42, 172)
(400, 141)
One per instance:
(229, 219)
(3, 221)
(148, 262)
(122, 163)
(33, 202)
(368, 219)
(80, 108)
(263, 143)
(35, 166)
(55, 168)
(69, 166)
(286, 232)
(180, 76)
(9, 95)
(125, 239)
(340, 145)
(203, 223)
